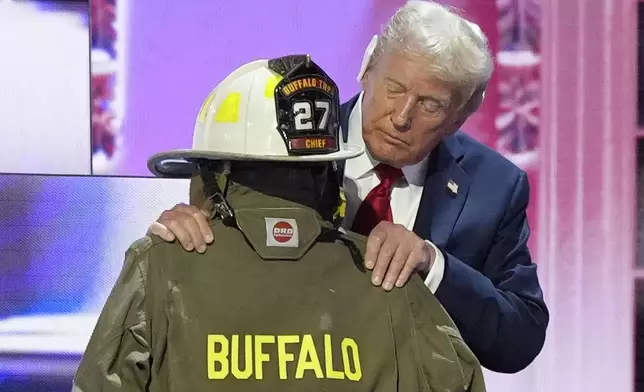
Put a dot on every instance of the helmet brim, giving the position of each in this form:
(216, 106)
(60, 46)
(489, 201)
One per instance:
(179, 163)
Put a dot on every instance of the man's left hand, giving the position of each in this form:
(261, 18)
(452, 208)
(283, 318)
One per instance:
(394, 254)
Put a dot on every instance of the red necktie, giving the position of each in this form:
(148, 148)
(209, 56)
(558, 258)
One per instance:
(376, 206)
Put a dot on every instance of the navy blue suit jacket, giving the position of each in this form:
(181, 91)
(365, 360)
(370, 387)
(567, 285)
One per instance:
(490, 286)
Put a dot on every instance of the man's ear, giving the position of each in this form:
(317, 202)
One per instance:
(470, 108)
(459, 123)
(455, 125)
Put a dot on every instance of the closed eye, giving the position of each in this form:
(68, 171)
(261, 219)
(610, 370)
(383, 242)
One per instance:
(395, 89)
(432, 106)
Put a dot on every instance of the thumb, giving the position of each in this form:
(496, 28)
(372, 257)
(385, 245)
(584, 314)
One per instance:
(162, 231)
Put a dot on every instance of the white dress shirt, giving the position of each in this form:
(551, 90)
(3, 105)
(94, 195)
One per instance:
(360, 178)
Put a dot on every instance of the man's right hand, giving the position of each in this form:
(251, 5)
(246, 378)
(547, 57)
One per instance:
(186, 224)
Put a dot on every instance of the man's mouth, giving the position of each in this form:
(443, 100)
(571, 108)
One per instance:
(393, 139)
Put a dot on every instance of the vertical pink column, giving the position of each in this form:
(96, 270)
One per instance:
(586, 196)
(107, 84)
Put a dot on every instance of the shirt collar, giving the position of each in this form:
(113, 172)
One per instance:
(365, 163)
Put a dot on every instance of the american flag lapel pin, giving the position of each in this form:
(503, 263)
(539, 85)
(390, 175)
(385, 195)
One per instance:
(452, 186)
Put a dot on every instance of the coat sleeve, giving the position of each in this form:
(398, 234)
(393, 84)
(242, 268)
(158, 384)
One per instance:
(500, 310)
(446, 362)
(117, 357)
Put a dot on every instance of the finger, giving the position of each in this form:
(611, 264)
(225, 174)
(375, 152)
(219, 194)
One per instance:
(176, 223)
(204, 226)
(192, 227)
(160, 230)
(385, 256)
(375, 240)
(184, 209)
(202, 218)
(396, 266)
(416, 258)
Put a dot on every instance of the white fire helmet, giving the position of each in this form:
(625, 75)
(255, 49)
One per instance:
(286, 109)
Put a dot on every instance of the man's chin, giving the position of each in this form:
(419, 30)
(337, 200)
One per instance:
(387, 153)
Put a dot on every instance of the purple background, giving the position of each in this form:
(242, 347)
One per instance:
(176, 55)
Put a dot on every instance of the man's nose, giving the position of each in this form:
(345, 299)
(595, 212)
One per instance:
(401, 117)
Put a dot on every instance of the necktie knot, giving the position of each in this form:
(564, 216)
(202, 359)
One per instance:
(375, 207)
(388, 174)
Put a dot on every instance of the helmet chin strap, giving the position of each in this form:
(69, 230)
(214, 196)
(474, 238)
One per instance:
(215, 189)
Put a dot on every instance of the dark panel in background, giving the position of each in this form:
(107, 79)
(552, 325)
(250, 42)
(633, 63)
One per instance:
(639, 257)
(639, 335)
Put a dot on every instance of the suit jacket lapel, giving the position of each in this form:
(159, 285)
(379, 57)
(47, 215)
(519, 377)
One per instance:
(444, 193)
